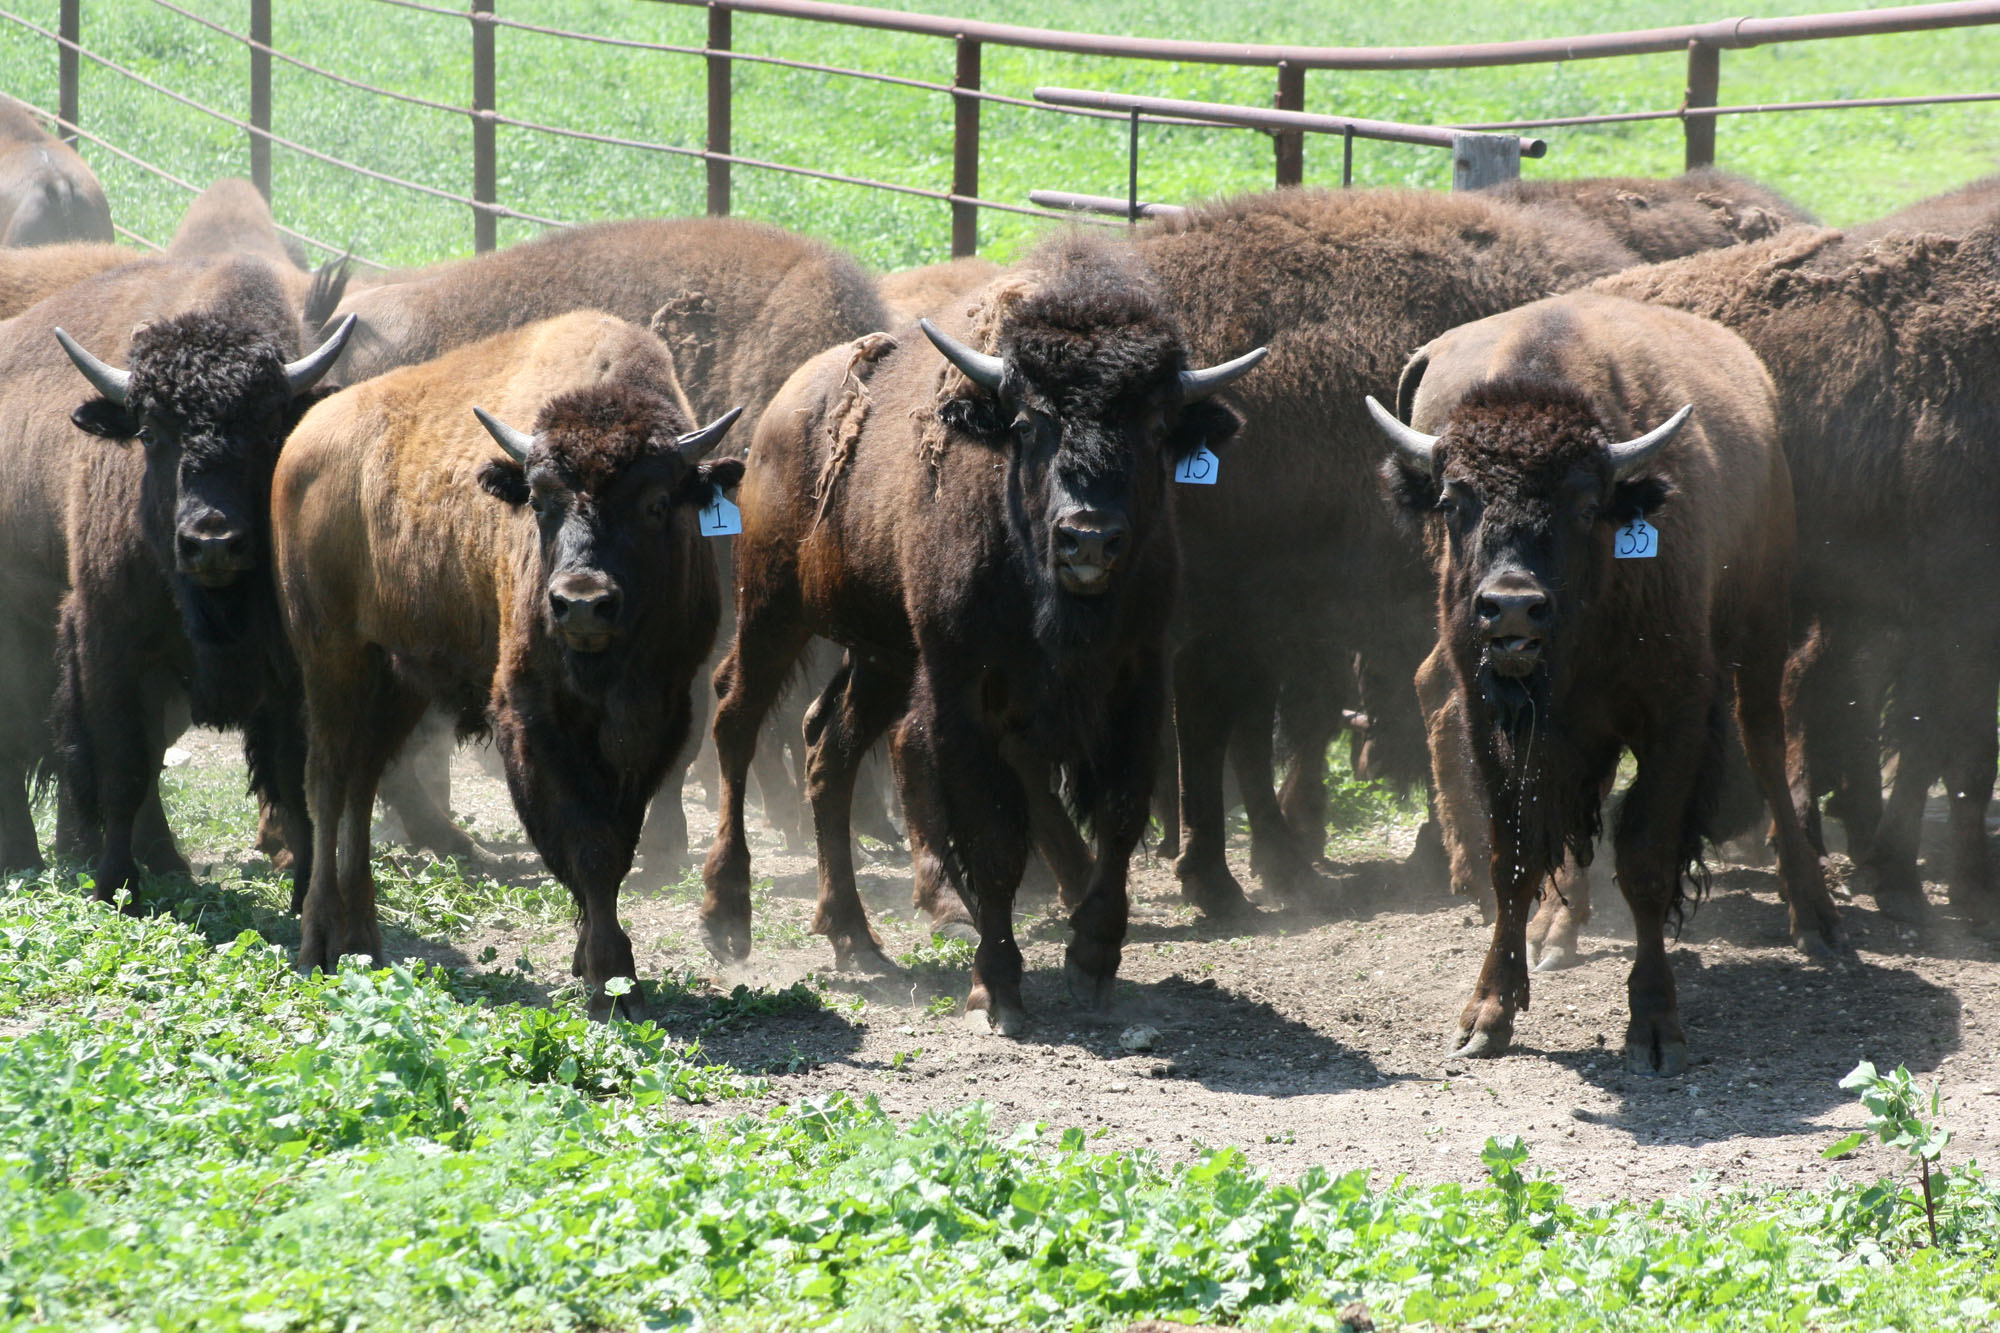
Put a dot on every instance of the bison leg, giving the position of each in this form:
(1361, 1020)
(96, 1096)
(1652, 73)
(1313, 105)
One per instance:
(153, 841)
(663, 839)
(1279, 857)
(1552, 943)
(417, 787)
(1207, 687)
(1968, 777)
(1889, 870)
(783, 810)
(857, 705)
(1123, 771)
(1833, 739)
(274, 745)
(1486, 1026)
(1760, 722)
(19, 849)
(356, 720)
(871, 802)
(1461, 807)
(1309, 717)
(1055, 836)
(769, 638)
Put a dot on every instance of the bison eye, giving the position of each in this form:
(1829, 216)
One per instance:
(656, 509)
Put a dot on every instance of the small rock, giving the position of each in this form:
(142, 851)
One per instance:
(1140, 1038)
(1354, 1314)
(175, 756)
(1119, 1087)
(1699, 1112)
(1579, 1113)
(1164, 1069)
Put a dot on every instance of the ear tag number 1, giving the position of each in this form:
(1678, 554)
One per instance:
(720, 517)
(1198, 468)
(1637, 540)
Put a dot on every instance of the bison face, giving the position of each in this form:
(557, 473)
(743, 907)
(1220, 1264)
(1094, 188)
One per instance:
(1521, 495)
(211, 402)
(1092, 425)
(613, 478)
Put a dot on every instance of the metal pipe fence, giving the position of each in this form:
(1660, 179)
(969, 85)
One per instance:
(1698, 111)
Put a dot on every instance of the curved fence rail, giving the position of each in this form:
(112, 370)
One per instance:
(1698, 111)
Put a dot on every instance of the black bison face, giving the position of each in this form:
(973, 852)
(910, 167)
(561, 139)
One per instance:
(211, 402)
(1523, 495)
(1089, 402)
(614, 477)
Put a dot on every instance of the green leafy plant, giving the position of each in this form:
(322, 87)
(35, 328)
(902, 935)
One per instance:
(1899, 1117)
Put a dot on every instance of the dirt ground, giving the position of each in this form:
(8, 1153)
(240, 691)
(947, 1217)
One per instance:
(1319, 1034)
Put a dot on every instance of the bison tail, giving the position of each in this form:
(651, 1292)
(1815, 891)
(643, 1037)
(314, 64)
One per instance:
(1704, 822)
(74, 757)
(329, 285)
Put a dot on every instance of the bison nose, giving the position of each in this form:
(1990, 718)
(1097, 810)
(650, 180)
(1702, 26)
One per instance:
(1513, 616)
(1088, 547)
(212, 555)
(585, 610)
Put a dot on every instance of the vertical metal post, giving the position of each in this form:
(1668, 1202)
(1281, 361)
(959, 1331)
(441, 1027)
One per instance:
(965, 153)
(260, 97)
(1347, 157)
(69, 26)
(485, 158)
(720, 71)
(1289, 146)
(1480, 160)
(1704, 80)
(1132, 176)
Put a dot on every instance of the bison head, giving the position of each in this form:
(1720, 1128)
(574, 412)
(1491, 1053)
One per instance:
(211, 399)
(614, 476)
(1522, 495)
(1089, 399)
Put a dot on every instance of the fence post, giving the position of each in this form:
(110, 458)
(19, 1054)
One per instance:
(260, 97)
(719, 77)
(1289, 146)
(485, 163)
(69, 27)
(1704, 80)
(965, 153)
(1480, 160)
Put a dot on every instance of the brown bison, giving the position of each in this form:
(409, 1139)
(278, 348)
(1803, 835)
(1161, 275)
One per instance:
(555, 590)
(133, 574)
(1885, 347)
(915, 293)
(230, 219)
(1601, 492)
(28, 277)
(740, 304)
(1660, 219)
(991, 538)
(48, 196)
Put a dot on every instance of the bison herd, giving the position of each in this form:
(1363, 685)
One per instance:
(1510, 485)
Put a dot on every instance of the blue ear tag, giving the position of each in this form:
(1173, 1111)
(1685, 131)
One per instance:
(720, 517)
(1198, 468)
(1637, 540)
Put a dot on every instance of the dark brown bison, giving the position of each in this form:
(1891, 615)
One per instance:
(34, 275)
(133, 579)
(740, 305)
(48, 196)
(551, 587)
(1660, 219)
(1601, 491)
(1293, 570)
(1885, 347)
(992, 541)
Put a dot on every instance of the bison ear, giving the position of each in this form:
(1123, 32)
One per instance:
(101, 416)
(724, 474)
(1635, 499)
(504, 480)
(1413, 493)
(303, 403)
(1206, 422)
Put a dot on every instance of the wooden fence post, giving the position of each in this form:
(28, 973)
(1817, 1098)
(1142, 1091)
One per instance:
(719, 77)
(1289, 146)
(965, 153)
(69, 27)
(260, 98)
(1480, 160)
(1704, 81)
(485, 157)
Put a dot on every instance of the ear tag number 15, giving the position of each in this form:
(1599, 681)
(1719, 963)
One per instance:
(1198, 468)
(1637, 540)
(720, 517)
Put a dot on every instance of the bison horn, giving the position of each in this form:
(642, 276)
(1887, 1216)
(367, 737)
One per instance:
(1199, 384)
(694, 445)
(513, 441)
(980, 368)
(113, 384)
(1412, 445)
(305, 372)
(1630, 456)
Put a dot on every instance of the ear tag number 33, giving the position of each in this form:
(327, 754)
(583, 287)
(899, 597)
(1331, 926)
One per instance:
(1637, 540)
(720, 517)
(1198, 468)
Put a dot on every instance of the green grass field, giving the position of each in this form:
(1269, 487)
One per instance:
(1845, 165)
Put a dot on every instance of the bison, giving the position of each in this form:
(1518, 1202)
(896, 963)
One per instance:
(1601, 493)
(48, 196)
(28, 277)
(1885, 347)
(548, 583)
(133, 580)
(230, 219)
(991, 538)
(913, 293)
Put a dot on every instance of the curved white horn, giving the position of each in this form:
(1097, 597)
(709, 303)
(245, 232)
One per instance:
(1412, 445)
(516, 443)
(695, 445)
(1630, 456)
(113, 384)
(1199, 384)
(305, 372)
(978, 367)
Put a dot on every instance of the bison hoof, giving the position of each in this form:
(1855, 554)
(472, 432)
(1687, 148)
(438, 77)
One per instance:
(861, 954)
(1823, 945)
(1090, 990)
(942, 931)
(1553, 957)
(1482, 1045)
(604, 1007)
(726, 941)
(999, 1020)
(1661, 1059)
